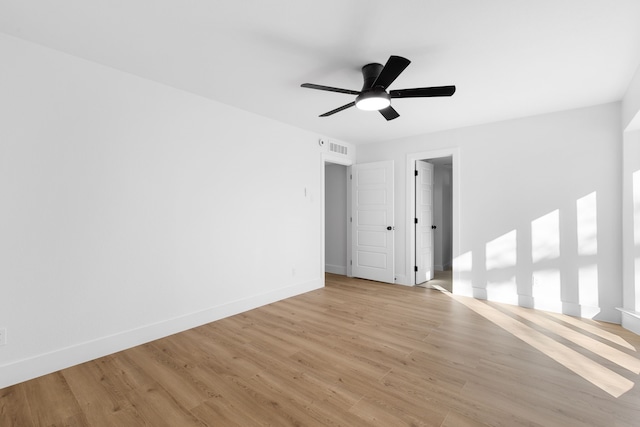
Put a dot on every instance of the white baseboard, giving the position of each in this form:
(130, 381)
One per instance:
(568, 308)
(336, 269)
(525, 301)
(402, 279)
(630, 320)
(42, 364)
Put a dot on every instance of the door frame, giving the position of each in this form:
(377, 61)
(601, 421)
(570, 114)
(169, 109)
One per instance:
(454, 153)
(324, 159)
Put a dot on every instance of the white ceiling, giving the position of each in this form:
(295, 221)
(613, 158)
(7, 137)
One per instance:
(507, 58)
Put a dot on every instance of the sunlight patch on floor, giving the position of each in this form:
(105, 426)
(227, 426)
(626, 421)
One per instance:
(592, 330)
(614, 355)
(607, 380)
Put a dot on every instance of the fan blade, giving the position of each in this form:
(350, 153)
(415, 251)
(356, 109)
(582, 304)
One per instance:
(389, 113)
(337, 110)
(423, 92)
(392, 69)
(330, 89)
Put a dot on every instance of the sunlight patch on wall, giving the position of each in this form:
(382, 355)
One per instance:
(545, 253)
(501, 260)
(587, 223)
(463, 265)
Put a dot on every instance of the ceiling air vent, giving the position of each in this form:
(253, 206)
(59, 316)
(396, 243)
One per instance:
(337, 148)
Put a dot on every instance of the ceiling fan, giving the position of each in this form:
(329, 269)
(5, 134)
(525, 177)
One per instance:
(374, 95)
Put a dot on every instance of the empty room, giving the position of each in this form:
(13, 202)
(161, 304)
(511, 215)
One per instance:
(348, 213)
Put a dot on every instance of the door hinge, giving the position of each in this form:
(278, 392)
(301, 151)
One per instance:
(416, 220)
(350, 176)
(350, 219)
(416, 172)
(350, 262)
(415, 268)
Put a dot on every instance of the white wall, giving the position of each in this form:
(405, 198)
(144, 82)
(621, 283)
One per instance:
(631, 104)
(631, 206)
(336, 219)
(631, 231)
(130, 210)
(540, 208)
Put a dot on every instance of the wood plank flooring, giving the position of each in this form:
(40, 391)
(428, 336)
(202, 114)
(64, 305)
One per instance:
(355, 353)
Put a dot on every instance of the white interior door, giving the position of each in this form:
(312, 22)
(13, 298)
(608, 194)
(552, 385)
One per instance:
(424, 221)
(373, 221)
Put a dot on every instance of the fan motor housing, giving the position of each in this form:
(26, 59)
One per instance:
(370, 73)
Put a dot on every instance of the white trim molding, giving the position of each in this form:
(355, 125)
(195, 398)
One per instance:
(630, 320)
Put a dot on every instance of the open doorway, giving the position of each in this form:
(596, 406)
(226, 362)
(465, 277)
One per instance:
(336, 209)
(437, 231)
(438, 212)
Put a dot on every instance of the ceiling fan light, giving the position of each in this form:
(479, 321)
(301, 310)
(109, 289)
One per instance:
(373, 101)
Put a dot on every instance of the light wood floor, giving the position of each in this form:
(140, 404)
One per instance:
(441, 279)
(354, 353)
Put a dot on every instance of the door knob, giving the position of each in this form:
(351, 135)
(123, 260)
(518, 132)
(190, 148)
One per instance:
(389, 228)
(433, 227)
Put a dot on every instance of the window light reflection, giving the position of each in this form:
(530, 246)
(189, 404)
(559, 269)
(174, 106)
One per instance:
(587, 223)
(545, 252)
